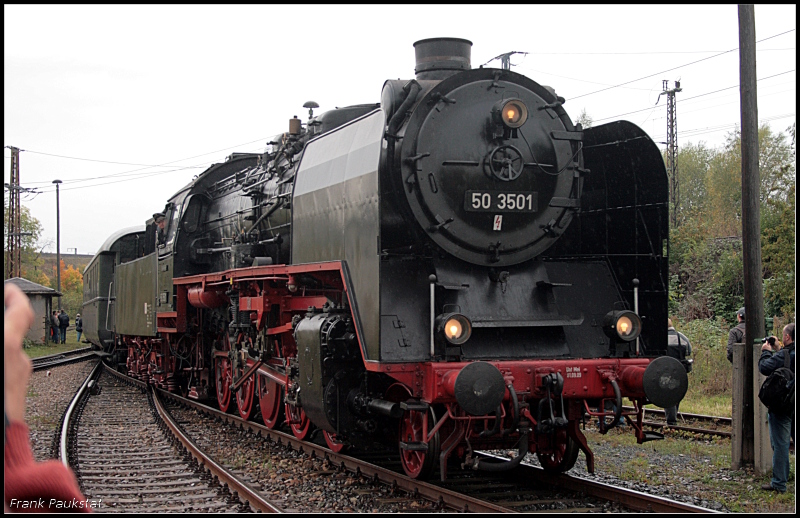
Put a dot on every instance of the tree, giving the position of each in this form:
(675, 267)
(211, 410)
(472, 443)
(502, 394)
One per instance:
(724, 188)
(694, 161)
(724, 181)
(705, 262)
(71, 288)
(30, 254)
(584, 119)
(778, 231)
(71, 279)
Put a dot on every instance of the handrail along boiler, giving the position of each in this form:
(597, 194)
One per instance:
(455, 268)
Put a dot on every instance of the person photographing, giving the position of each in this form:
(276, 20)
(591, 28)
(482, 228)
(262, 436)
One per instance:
(780, 419)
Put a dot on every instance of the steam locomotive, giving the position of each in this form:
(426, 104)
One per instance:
(455, 268)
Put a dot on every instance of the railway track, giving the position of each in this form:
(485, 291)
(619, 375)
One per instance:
(169, 478)
(127, 457)
(705, 425)
(54, 360)
(527, 489)
(531, 489)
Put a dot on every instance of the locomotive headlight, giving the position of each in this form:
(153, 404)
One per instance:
(512, 113)
(624, 325)
(454, 327)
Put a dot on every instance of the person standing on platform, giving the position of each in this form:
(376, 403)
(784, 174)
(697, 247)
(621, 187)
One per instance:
(54, 329)
(678, 347)
(780, 422)
(78, 326)
(736, 335)
(63, 324)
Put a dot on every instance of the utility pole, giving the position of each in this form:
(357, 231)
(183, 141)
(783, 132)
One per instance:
(14, 245)
(672, 146)
(751, 228)
(58, 245)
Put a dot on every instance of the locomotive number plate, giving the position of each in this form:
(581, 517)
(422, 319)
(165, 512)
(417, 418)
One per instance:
(494, 201)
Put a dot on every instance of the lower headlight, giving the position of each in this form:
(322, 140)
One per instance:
(624, 325)
(454, 327)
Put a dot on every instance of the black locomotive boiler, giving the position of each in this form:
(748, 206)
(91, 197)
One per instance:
(455, 268)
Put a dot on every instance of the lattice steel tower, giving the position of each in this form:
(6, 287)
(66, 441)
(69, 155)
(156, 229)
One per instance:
(672, 148)
(13, 232)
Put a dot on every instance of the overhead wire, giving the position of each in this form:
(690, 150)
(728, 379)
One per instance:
(684, 99)
(638, 53)
(675, 68)
(167, 164)
(723, 127)
(136, 172)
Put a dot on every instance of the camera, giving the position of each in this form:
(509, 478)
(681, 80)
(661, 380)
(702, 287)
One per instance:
(769, 339)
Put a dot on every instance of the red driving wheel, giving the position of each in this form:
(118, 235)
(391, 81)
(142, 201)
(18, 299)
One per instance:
(418, 464)
(562, 456)
(270, 401)
(246, 394)
(298, 421)
(331, 439)
(223, 374)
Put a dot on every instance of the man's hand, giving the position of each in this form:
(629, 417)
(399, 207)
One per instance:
(770, 344)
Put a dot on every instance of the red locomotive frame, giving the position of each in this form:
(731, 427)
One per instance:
(587, 383)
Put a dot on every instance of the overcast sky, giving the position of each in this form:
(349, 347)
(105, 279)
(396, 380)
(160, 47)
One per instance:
(125, 104)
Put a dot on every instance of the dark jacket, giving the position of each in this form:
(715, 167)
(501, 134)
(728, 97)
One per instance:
(78, 324)
(678, 347)
(54, 321)
(769, 361)
(735, 336)
(63, 321)
(676, 339)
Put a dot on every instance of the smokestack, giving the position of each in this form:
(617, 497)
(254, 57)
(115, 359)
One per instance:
(439, 58)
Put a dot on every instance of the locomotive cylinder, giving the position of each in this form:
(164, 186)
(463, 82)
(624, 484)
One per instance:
(387, 408)
(200, 298)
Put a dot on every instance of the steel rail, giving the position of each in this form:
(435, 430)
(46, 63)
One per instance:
(68, 415)
(699, 417)
(724, 421)
(431, 492)
(54, 360)
(244, 490)
(452, 499)
(631, 499)
(692, 429)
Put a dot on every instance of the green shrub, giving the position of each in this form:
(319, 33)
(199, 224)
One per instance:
(710, 378)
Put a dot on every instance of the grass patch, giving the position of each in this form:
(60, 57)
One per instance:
(690, 467)
(697, 468)
(636, 469)
(37, 350)
(711, 379)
